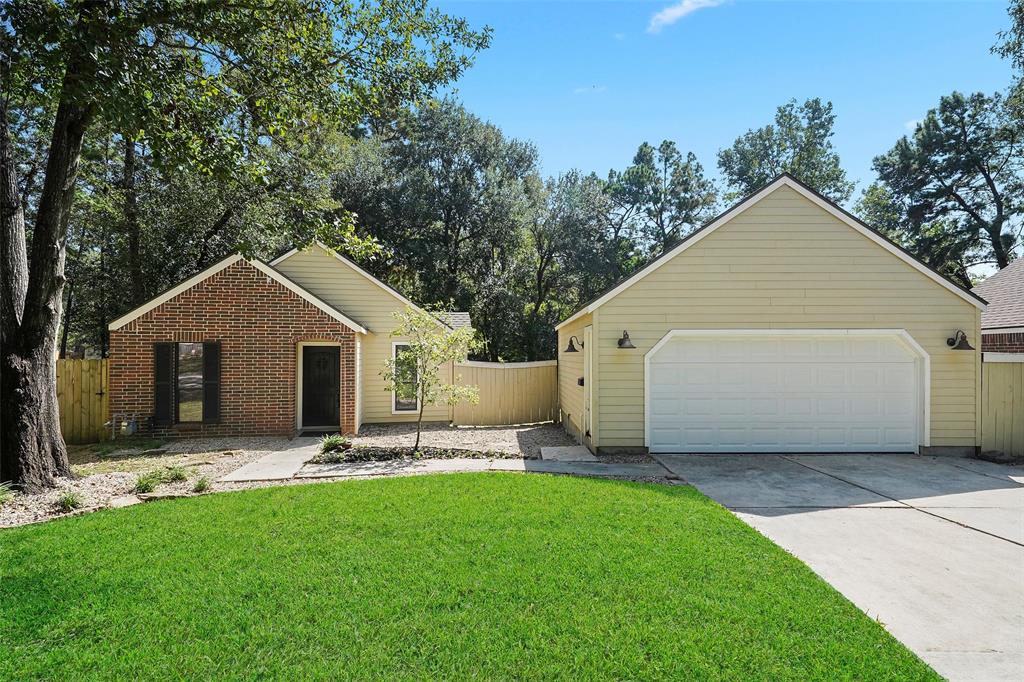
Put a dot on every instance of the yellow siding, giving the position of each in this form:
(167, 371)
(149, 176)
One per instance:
(1002, 412)
(570, 368)
(785, 262)
(370, 305)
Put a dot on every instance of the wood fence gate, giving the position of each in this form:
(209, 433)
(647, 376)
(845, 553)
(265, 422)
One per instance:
(82, 398)
(510, 392)
(1002, 402)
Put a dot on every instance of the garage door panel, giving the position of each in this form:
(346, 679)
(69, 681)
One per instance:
(783, 393)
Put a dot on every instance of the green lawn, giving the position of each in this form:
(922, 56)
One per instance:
(495, 576)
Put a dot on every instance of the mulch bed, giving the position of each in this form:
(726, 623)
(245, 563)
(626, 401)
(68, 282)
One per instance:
(370, 453)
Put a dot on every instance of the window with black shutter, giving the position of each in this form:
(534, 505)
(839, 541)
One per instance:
(163, 383)
(211, 382)
(186, 381)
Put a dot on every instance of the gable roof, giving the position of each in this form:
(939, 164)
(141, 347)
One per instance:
(1005, 293)
(457, 319)
(217, 267)
(784, 180)
(383, 285)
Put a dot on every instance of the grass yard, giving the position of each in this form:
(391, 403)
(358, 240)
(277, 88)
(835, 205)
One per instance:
(493, 576)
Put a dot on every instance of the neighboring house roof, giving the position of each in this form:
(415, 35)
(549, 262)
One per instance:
(1005, 293)
(383, 285)
(455, 320)
(230, 260)
(822, 202)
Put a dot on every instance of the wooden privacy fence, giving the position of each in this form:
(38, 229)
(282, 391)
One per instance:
(82, 398)
(510, 393)
(1002, 403)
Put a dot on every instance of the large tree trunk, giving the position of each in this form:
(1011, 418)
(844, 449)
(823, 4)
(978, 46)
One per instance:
(131, 224)
(32, 450)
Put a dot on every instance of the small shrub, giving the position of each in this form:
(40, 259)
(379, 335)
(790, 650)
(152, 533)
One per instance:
(6, 493)
(201, 485)
(147, 483)
(69, 501)
(334, 442)
(175, 474)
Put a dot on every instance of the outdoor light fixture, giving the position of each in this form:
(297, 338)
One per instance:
(959, 341)
(624, 342)
(571, 348)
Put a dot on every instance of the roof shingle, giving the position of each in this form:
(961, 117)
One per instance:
(1004, 292)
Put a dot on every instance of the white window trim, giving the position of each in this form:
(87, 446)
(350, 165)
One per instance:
(1002, 357)
(298, 381)
(923, 361)
(394, 394)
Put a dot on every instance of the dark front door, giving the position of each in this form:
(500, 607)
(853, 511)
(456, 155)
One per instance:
(321, 386)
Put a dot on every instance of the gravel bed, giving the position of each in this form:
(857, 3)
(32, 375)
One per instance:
(110, 479)
(101, 482)
(373, 453)
(520, 441)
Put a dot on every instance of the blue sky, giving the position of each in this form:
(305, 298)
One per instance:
(588, 81)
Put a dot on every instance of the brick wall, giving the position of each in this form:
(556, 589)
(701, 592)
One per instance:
(259, 324)
(1003, 343)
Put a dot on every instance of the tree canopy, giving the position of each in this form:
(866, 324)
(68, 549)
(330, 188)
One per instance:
(799, 142)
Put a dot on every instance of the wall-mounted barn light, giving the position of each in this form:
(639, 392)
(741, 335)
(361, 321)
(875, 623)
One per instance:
(959, 341)
(624, 342)
(571, 348)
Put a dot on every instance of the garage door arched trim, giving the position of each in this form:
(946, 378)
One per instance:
(922, 364)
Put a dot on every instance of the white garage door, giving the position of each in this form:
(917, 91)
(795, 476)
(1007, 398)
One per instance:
(783, 393)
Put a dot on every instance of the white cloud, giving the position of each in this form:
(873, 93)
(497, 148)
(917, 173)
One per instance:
(674, 13)
(912, 124)
(590, 90)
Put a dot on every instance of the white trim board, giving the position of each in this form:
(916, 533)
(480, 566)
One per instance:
(991, 331)
(924, 378)
(214, 269)
(1002, 357)
(739, 208)
(394, 394)
(507, 365)
(298, 383)
(331, 252)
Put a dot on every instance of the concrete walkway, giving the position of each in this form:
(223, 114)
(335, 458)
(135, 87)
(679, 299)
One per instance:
(931, 547)
(276, 466)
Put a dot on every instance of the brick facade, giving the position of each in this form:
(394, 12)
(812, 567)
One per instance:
(1003, 343)
(259, 324)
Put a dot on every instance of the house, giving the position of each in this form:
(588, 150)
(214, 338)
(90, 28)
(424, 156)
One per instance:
(784, 325)
(251, 348)
(1002, 324)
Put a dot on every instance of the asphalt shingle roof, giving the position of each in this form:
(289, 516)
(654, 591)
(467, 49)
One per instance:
(1004, 292)
(457, 319)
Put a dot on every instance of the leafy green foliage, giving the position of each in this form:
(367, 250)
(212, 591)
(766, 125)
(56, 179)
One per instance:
(799, 142)
(956, 186)
(334, 442)
(201, 485)
(175, 474)
(488, 576)
(69, 501)
(431, 346)
(6, 493)
(148, 482)
(667, 195)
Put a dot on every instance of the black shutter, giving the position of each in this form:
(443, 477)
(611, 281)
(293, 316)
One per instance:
(211, 381)
(163, 383)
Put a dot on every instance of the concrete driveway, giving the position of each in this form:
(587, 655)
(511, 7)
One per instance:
(932, 547)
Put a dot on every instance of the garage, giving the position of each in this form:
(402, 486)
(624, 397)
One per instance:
(783, 325)
(785, 391)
